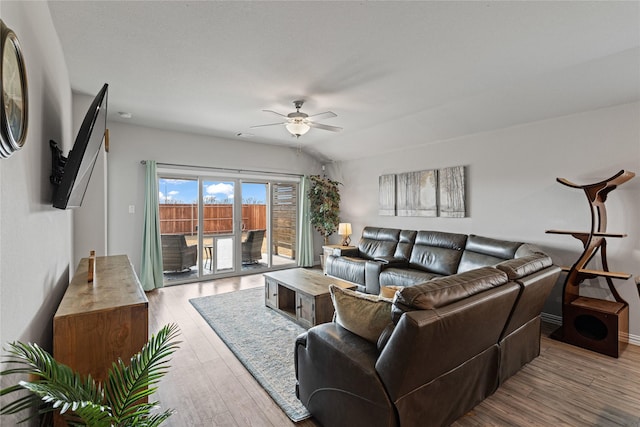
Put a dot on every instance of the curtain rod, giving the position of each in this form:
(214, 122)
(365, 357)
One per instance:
(211, 168)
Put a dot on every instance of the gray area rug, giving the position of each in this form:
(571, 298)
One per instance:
(261, 339)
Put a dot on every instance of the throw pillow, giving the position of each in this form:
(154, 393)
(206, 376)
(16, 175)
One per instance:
(362, 314)
(389, 291)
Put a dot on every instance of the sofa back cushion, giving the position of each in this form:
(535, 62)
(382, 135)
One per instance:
(378, 242)
(437, 252)
(517, 268)
(405, 244)
(483, 251)
(446, 290)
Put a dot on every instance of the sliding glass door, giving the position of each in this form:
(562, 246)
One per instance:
(178, 207)
(217, 226)
(255, 226)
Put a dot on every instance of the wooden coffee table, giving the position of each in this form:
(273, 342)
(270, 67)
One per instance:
(302, 294)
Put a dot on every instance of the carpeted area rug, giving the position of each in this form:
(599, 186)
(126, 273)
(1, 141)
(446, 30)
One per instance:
(261, 339)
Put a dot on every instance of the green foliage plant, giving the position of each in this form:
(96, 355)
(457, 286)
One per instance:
(324, 198)
(120, 402)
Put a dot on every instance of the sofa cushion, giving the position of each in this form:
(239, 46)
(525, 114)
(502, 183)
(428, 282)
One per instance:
(484, 251)
(446, 290)
(404, 276)
(520, 267)
(405, 244)
(363, 314)
(378, 242)
(437, 252)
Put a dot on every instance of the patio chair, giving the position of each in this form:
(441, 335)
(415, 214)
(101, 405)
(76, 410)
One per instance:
(252, 247)
(176, 255)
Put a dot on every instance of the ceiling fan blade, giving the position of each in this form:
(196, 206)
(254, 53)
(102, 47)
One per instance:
(269, 124)
(324, 127)
(274, 112)
(325, 115)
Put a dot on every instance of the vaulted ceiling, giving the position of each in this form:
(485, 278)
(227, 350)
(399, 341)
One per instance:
(397, 74)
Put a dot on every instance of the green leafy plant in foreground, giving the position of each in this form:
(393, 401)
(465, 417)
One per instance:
(119, 402)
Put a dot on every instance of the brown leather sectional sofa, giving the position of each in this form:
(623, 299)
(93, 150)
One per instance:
(467, 319)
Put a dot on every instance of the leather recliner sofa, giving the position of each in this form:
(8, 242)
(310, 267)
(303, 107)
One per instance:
(393, 257)
(452, 341)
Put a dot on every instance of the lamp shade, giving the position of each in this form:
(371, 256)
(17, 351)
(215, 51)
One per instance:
(297, 128)
(344, 228)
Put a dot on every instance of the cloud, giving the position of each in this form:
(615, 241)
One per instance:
(175, 181)
(220, 188)
(168, 197)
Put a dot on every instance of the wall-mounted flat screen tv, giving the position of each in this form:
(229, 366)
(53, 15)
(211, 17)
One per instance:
(71, 174)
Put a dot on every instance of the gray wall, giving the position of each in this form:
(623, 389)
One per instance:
(130, 144)
(35, 238)
(512, 192)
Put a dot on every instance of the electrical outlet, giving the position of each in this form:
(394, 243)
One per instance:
(132, 209)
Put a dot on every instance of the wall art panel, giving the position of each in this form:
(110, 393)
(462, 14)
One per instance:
(416, 193)
(387, 195)
(451, 192)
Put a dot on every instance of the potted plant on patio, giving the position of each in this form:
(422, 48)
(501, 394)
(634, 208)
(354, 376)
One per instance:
(324, 197)
(121, 401)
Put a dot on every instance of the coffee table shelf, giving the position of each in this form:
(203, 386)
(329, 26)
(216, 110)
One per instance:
(302, 294)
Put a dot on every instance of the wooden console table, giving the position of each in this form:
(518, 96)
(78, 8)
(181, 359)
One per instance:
(99, 322)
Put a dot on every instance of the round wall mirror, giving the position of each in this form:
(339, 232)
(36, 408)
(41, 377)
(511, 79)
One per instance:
(13, 77)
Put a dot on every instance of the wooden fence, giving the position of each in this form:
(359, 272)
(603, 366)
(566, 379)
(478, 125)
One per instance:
(218, 219)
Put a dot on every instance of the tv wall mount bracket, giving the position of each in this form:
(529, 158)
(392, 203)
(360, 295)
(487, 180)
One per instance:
(58, 161)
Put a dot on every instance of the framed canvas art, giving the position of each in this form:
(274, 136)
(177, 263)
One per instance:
(451, 192)
(416, 193)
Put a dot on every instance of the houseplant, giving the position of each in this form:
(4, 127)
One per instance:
(324, 201)
(121, 401)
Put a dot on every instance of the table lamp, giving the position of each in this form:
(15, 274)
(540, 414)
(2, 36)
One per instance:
(344, 229)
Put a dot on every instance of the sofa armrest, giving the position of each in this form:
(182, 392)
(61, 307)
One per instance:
(389, 261)
(373, 268)
(535, 289)
(372, 271)
(301, 341)
(336, 369)
(353, 252)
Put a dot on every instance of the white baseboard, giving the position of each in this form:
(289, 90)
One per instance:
(551, 318)
(557, 320)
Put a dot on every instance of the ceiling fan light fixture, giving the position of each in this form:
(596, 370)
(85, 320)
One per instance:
(297, 128)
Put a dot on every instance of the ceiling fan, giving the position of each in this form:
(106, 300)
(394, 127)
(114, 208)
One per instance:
(298, 123)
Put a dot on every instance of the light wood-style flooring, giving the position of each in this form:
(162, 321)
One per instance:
(208, 386)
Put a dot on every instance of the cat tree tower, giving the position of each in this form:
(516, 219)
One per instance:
(595, 324)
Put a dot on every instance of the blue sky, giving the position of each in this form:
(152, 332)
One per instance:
(186, 191)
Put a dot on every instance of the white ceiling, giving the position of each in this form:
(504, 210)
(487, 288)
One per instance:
(397, 74)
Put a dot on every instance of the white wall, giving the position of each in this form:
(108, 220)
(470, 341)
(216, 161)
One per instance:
(512, 192)
(35, 242)
(130, 144)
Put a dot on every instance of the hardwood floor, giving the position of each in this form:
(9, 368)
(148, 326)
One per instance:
(208, 386)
